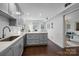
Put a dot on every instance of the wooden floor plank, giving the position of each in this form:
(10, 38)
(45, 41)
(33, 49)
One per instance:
(50, 50)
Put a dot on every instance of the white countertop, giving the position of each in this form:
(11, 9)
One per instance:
(35, 32)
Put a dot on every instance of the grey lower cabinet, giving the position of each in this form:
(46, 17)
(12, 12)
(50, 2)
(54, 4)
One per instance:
(15, 49)
(18, 48)
(36, 39)
(8, 52)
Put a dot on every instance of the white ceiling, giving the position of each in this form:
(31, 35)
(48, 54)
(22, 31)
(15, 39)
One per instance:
(38, 11)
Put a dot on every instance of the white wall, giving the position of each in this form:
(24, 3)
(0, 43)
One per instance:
(3, 22)
(56, 34)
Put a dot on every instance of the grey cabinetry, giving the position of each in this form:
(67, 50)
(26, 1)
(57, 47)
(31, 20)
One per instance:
(32, 39)
(18, 47)
(15, 49)
(36, 39)
(21, 46)
(7, 52)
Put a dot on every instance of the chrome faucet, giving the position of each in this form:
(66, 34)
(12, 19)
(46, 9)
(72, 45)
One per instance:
(3, 30)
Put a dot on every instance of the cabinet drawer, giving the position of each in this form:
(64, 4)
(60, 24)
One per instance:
(34, 41)
(43, 41)
(30, 36)
(29, 41)
(37, 41)
(7, 52)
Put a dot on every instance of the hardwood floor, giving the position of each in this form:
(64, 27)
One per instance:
(50, 50)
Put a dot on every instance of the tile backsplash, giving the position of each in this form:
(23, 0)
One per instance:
(15, 30)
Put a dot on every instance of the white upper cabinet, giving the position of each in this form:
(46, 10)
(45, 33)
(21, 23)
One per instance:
(15, 11)
(12, 8)
(4, 7)
(4, 10)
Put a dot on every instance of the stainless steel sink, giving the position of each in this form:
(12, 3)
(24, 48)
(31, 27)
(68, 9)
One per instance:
(9, 38)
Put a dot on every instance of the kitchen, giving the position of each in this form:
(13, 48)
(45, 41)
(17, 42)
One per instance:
(33, 25)
(13, 37)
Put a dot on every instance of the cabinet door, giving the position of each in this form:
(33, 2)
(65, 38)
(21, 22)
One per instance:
(8, 52)
(16, 50)
(4, 7)
(30, 36)
(36, 41)
(21, 45)
(18, 47)
(45, 38)
(32, 41)
(29, 41)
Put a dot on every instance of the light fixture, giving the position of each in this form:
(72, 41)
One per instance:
(18, 13)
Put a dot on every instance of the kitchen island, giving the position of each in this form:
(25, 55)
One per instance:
(36, 38)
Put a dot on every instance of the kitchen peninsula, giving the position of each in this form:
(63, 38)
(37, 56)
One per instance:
(36, 38)
(15, 47)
